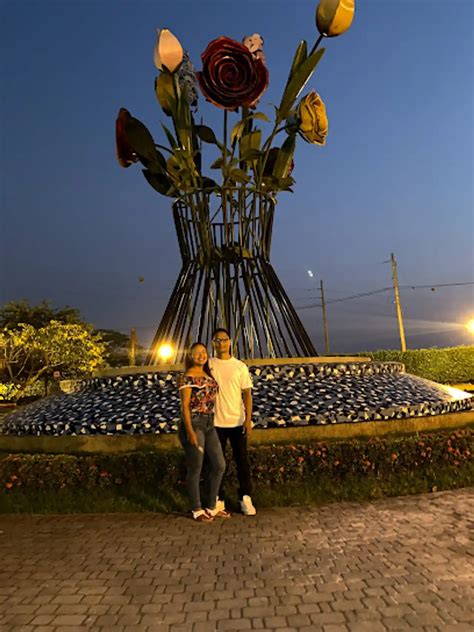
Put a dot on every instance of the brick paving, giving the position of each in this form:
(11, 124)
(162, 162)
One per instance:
(394, 564)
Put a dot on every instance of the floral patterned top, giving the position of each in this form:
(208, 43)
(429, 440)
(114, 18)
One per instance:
(203, 393)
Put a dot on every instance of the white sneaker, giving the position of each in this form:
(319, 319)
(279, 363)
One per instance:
(247, 506)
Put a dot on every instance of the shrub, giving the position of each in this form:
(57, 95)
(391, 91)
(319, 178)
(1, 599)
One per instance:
(9, 391)
(453, 365)
(327, 470)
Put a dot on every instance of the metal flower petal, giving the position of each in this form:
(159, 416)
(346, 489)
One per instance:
(313, 119)
(125, 154)
(255, 45)
(231, 76)
(334, 17)
(168, 53)
(187, 80)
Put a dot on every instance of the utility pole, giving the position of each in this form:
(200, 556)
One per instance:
(397, 302)
(325, 320)
(132, 350)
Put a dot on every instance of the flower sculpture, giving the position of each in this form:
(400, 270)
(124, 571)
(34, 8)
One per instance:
(231, 75)
(224, 222)
(233, 78)
(313, 122)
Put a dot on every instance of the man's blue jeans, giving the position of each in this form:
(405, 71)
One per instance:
(208, 440)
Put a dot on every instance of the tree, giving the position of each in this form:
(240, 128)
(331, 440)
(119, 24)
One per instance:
(30, 353)
(16, 312)
(118, 348)
(117, 345)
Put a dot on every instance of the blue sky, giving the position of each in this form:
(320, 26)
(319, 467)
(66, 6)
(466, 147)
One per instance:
(396, 174)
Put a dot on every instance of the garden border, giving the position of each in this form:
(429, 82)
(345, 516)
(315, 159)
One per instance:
(90, 444)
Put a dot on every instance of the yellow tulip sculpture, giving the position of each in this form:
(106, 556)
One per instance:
(334, 17)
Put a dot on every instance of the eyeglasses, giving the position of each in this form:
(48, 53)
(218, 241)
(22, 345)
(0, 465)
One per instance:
(220, 340)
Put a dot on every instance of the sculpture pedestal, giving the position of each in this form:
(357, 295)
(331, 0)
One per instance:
(284, 395)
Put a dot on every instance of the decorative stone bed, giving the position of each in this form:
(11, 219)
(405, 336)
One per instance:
(284, 395)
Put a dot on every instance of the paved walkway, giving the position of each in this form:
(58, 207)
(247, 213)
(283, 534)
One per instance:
(396, 564)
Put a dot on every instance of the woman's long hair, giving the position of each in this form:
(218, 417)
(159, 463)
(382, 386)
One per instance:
(189, 362)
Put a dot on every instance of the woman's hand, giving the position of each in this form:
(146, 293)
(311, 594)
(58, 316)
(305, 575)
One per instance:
(192, 438)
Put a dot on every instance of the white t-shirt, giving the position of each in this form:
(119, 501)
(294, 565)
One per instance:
(233, 377)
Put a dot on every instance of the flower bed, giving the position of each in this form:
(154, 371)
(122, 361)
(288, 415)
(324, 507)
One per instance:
(319, 471)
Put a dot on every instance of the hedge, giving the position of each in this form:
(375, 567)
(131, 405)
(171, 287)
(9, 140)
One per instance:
(452, 365)
(325, 470)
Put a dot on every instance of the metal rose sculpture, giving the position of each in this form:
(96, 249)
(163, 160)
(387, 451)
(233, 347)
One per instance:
(224, 223)
(231, 75)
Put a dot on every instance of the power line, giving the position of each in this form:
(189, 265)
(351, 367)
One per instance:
(385, 289)
(347, 298)
(416, 287)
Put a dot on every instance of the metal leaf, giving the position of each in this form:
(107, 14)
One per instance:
(160, 183)
(206, 134)
(237, 131)
(165, 93)
(298, 82)
(300, 56)
(170, 137)
(284, 157)
(142, 143)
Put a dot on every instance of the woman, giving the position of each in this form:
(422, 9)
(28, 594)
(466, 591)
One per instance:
(197, 434)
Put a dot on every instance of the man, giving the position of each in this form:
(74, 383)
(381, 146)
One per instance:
(233, 414)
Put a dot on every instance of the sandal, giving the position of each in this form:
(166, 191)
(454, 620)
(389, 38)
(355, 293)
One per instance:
(219, 513)
(201, 515)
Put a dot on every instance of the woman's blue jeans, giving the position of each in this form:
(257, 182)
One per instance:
(209, 443)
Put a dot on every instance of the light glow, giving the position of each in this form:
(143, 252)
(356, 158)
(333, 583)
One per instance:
(470, 325)
(165, 352)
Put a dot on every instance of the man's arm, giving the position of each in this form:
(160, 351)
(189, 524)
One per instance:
(247, 398)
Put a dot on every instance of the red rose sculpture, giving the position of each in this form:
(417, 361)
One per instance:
(125, 154)
(231, 76)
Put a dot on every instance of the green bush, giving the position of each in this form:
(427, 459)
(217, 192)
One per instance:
(8, 391)
(453, 365)
(314, 472)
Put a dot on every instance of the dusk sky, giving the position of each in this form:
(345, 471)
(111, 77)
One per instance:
(396, 174)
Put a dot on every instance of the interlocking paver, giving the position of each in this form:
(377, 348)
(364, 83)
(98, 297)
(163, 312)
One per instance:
(394, 564)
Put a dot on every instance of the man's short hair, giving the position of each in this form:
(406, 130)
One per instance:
(221, 330)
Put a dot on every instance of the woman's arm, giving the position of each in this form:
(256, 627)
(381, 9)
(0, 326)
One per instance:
(185, 393)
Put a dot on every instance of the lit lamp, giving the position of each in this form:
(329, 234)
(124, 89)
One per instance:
(470, 325)
(165, 352)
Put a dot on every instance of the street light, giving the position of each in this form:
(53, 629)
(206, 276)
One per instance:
(165, 352)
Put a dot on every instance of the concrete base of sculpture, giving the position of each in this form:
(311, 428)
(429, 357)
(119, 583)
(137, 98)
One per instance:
(287, 393)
